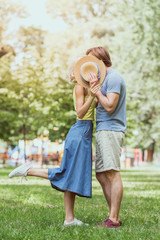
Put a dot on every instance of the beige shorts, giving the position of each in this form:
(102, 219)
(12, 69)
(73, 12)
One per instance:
(108, 150)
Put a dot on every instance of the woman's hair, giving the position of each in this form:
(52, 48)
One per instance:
(102, 54)
(71, 69)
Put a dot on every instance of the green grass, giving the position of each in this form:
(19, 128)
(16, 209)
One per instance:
(34, 211)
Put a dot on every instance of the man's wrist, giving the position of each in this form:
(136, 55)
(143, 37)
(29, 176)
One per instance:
(98, 93)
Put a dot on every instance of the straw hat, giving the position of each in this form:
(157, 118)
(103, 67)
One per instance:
(88, 64)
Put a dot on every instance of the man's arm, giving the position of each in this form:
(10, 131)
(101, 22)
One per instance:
(109, 102)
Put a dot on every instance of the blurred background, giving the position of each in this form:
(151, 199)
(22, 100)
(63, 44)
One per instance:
(38, 39)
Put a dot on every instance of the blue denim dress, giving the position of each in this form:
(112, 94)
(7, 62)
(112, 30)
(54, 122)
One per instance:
(75, 172)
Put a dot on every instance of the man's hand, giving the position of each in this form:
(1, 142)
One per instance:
(94, 85)
(94, 90)
(110, 101)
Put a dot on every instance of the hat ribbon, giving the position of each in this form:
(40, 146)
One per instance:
(98, 74)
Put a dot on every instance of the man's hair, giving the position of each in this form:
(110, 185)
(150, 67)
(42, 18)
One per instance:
(102, 54)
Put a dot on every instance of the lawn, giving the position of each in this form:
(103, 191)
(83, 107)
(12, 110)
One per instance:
(34, 211)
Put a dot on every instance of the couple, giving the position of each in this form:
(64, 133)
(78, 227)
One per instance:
(75, 174)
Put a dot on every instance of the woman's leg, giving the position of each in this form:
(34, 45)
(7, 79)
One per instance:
(43, 173)
(69, 199)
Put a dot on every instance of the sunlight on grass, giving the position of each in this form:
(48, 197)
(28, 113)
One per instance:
(33, 210)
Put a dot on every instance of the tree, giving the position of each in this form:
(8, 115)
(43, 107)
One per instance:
(129, 29)
(7, 11)
(36, 92)
(143, 52)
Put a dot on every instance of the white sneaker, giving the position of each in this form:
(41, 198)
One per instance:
(75, 222)
(20, 171)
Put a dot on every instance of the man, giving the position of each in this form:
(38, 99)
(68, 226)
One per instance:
(110, 131)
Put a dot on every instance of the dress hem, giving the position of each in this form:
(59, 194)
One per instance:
(66, 189)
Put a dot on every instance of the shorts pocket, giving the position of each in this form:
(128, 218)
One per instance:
(122, 138)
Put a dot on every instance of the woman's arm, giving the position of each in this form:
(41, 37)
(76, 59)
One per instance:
(82, 106)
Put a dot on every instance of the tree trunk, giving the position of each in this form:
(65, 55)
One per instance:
(150, 152)
(143, 155)
(41, 157)
(24, 139)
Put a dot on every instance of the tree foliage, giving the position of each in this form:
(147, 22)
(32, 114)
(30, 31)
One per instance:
(35, 92)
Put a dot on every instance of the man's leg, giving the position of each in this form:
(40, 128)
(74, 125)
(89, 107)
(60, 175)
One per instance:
(113, 190)
(106, 186)
(116, 193)
(108, 151)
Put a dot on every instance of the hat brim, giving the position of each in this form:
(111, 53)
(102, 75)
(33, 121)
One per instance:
(89, 59)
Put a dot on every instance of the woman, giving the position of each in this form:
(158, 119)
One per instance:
(74, 175)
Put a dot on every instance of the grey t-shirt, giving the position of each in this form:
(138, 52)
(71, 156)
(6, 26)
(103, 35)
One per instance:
(116, 121)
